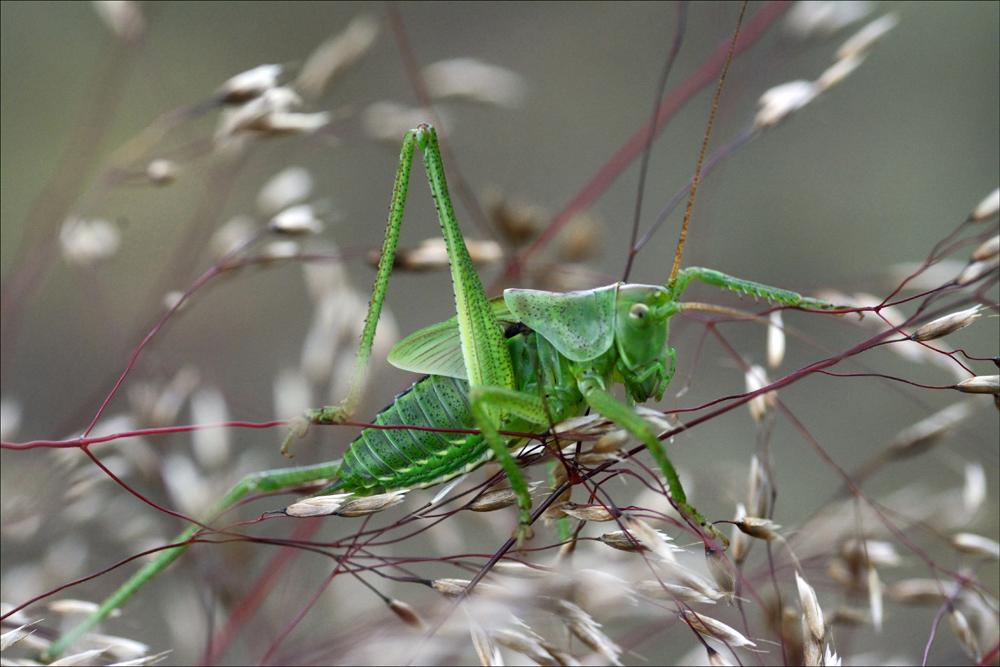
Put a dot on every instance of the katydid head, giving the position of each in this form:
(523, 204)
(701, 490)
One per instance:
(642, 313)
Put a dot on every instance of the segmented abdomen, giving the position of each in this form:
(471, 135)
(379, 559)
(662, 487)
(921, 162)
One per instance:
(384, 459)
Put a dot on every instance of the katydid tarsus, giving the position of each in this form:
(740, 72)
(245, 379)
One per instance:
(517, 363)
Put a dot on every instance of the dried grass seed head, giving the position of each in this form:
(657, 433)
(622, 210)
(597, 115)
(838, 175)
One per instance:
(595, 513)
(713, 629)
(739, 543)
(760, 405)
(987, 249)
(85, 242)
(837, 72)
(288, 187)
(947, 324)
(818, 19)
(918, 438)
(762, 529)
(122, 17)
(981, 384)
(987, 208)
(250, 84)
(964, 634)
(875, 598)
(587, 630)
(318, 505)
(775, 340)
(296, 220)
(335, 55)
(474, 80)
(976, 545)
(776, 104)
(866, 38)
(372, 504)
(976, 270)
(812, 615)
(161, 171)
(722, 573)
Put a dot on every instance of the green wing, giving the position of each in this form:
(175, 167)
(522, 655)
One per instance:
(437, 349)
(581, 325)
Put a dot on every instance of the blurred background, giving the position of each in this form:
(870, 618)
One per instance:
(866, 178)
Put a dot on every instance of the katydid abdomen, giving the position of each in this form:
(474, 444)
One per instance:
(440, 447)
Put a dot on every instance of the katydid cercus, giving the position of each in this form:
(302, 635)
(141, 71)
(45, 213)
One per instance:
(517, 363)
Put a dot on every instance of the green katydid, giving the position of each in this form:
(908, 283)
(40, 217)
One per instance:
(516, 363)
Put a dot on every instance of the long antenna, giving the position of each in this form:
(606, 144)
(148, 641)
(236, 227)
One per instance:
(701, 158)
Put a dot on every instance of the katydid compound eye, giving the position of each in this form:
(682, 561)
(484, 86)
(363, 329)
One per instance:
(637, 313)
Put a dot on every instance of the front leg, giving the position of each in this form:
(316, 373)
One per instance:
(519, 404)
(783, 296)
(606, 404)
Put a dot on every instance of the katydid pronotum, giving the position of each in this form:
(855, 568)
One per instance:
(517, 363)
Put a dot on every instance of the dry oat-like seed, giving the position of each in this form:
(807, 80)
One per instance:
(966, 637)
(407, 614)
(84, 242)
(976, 270)
(587, 631)
(81, 658)
(649, 538)
(372, 504)
(620, 540)
(923, 435)
(739, 544)
(10, 638)
(875, 598)
(987, 208)
(288, 187)
(837, 72)
(73, 607)
(781, 101)
(759, 489)
(762, 529)
(294, 220)
(812, 649)
(720, 571)
(162, 171)
(487, 651)
(866, 553)
(987, 249)
(862, 41)
(318, 505)
(775, 340)
(588, 512)
(661, 590)
(335, 55)
(525, 645)
(976, 545)
(715, 658)
(916, 591)
(808, 20)
(475, 80)
(981, 384)
(756, 379)
(450, 587)
(812, 614)
(493, 500)
(714, 629)
(947, 324)
(122, 17)
(250, 84)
